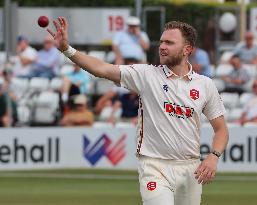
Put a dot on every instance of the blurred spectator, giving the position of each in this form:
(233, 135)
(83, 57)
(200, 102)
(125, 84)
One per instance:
(247, 50)
(8, 111)
(239, 76)
(26, 57)
(79, 115)
(130, 103)
(250, 109)
(118, 103)
(109, 107)
(75, 83)
(130, 44)
(47, 63)
(200, 62)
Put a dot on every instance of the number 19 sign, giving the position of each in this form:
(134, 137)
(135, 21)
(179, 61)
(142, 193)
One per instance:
(113, 21)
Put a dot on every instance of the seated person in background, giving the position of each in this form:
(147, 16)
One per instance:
(130, 44)
(8, 112)
(79, 115)
(26, 57)
(247, 50)
(75, 83)
(237, 78)
(130, 103)
(200, 62)
(47, 63)
(250, 109)
(116, 104)
(109, 107)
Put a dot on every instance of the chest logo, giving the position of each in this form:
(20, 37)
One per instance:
(178, 111)
(165, 88)
(194, 94)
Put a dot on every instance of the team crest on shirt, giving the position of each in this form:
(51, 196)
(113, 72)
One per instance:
(194, 94)
(179, 111)
(151, 186)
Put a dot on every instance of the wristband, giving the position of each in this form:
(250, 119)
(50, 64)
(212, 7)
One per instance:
(216, 153)
(69, 52)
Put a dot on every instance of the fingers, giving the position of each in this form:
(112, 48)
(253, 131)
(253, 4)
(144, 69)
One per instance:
(61, 22)
(199, 171)
(57, 26)
(204, 174)
(65, 23)
(50, 32)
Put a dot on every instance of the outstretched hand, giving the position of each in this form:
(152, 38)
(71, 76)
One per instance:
(61, 34)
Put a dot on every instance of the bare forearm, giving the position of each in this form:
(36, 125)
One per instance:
(96, 67)
(220, 140)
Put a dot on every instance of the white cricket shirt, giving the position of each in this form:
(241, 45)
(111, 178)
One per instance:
(170, 109)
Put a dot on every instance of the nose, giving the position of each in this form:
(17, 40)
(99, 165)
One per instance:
(162, 46)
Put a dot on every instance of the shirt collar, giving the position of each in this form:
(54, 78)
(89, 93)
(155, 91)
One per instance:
(168, 72)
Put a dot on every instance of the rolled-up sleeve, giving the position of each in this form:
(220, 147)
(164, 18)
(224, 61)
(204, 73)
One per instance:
(133, 77)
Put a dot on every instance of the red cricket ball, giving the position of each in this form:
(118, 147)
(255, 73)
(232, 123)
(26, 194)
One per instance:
(43, 21)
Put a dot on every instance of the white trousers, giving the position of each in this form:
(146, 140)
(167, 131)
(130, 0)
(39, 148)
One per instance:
(169, 182)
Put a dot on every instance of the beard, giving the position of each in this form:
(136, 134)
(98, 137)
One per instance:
(174, 60)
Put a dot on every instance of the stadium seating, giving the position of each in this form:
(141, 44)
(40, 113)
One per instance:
(225, 57)
(46, 108)
(66, 68)
(102, 86)
(39, 84)
(213, 70)
(251, 69)
(98, 54)
(230, 100)
(19, 86)
(219, 84)
(235, 114)
(2, 58)
(244, 98)
(110, 57)
(223, 69)
(248, 86)
(24, 115)
(56, 84)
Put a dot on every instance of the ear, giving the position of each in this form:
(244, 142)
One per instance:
(187, 50)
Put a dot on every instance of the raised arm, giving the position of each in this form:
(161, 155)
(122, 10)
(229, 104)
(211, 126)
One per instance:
(91, 64)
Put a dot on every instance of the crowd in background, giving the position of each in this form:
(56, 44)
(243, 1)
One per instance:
(130, 47)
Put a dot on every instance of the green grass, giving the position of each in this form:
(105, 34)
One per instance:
(53, 188)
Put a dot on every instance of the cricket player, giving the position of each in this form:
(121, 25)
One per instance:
(172, 99)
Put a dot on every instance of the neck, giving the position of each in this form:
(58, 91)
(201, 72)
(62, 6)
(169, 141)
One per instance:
(181, 69)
